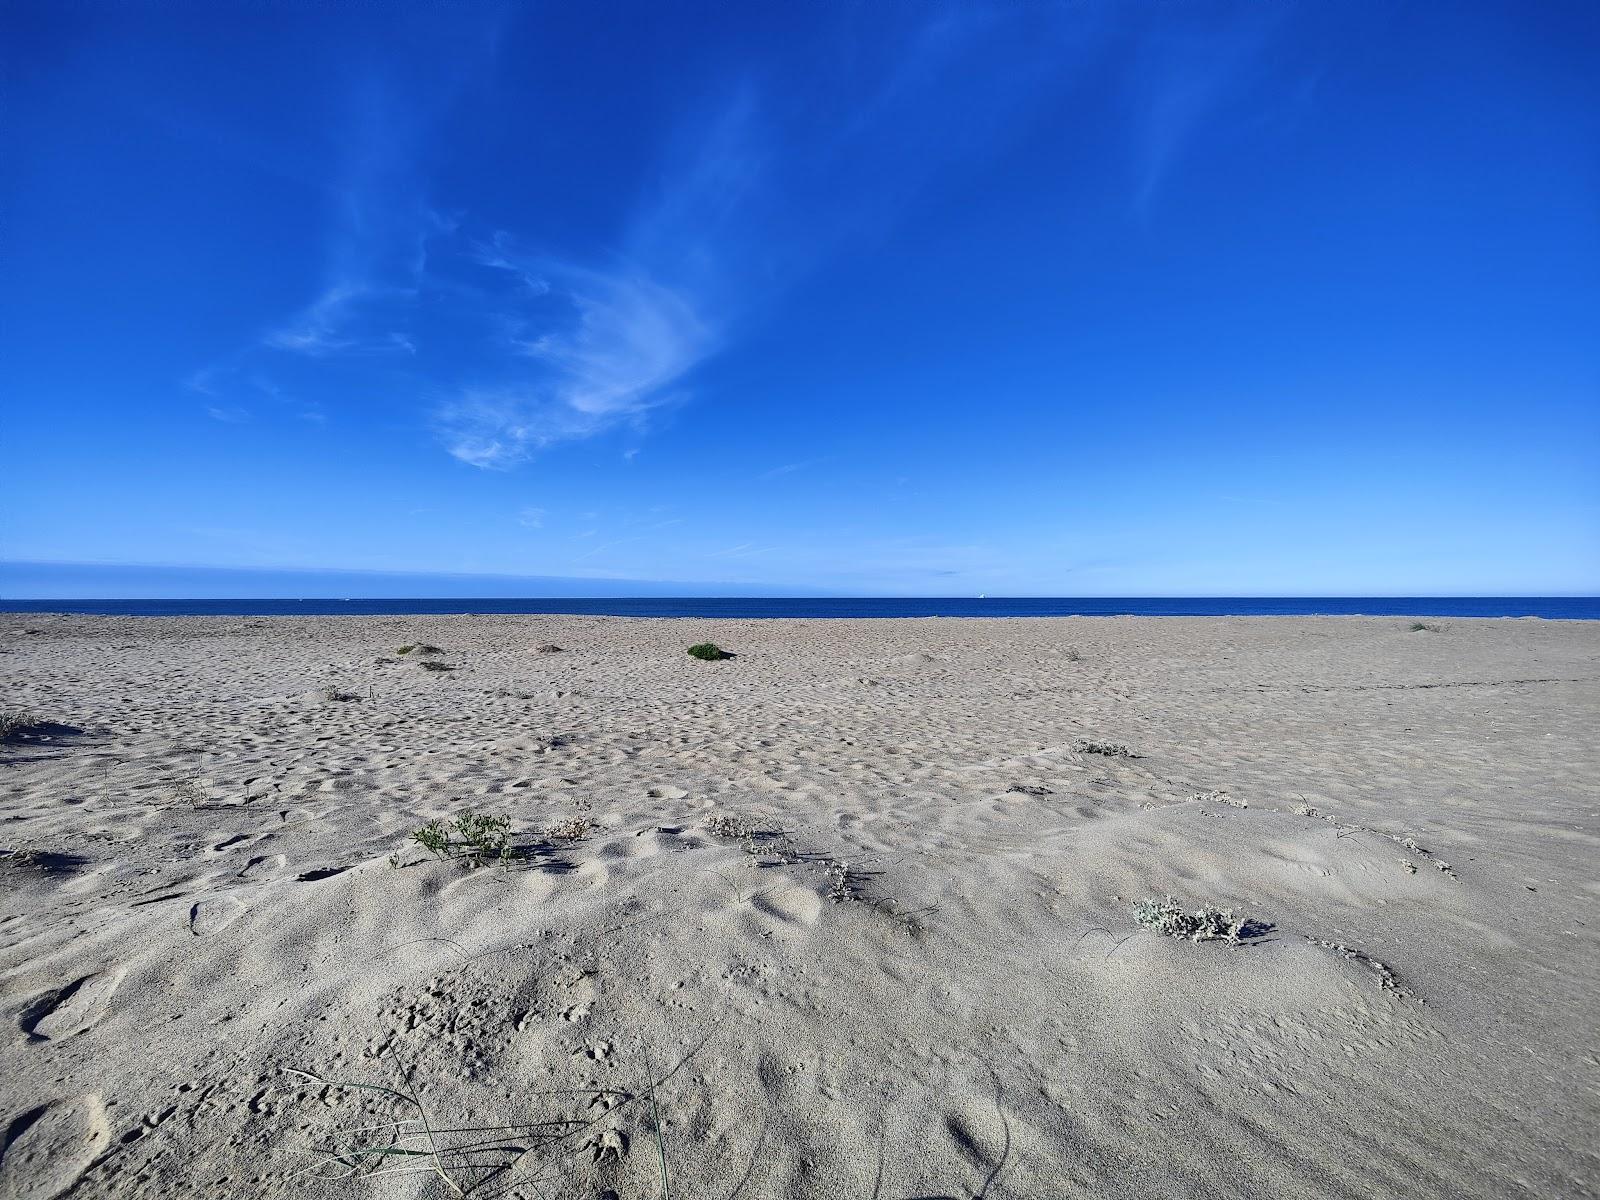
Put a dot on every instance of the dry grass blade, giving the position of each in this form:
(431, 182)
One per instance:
(363, 1152)
(487, 1159)
(433, 1145)
(655, 1120)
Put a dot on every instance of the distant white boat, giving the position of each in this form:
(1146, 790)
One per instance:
(983, 595)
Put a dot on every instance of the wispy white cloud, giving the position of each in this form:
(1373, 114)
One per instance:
(533, 518)
(318, 330)
(239, 396)
(790, 468)
(514, 345)
(348, 318)
(634, 337)
(611, 545)
(1185, 74)
(496, 429)
(607, 341)
(603, 341)
(743, 550)
(600, 344)
(605, 347)
(203, 381)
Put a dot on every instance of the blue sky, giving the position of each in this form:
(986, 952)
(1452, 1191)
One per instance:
(924, 299)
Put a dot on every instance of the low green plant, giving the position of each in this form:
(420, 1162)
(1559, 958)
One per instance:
(1426, 627)
(484, 837)
(432, 664)
(708, 652)
(474, 839)
(434, 837)
(421, 649)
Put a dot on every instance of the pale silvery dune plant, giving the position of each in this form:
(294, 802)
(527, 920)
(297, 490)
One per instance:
(1206, 924)
(16, 722)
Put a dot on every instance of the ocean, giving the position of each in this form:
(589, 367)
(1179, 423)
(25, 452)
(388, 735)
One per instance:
(1566, 608)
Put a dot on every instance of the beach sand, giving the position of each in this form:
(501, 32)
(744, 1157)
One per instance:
(849, 915)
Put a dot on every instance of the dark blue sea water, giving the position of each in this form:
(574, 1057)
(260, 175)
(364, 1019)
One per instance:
(1586, 608)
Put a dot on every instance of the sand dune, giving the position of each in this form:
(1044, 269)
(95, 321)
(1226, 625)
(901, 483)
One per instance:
(850, 914)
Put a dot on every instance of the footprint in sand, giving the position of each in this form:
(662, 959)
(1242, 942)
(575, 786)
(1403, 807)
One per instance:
(47, 1149)
(263, 866)
(320, 873)
(74, 1008)
(576, 1012)
(963, 1130)
(207, 917)
(594, 873)
(604, 1100)
(609, 1146)
(779, 1080)
(792, 905)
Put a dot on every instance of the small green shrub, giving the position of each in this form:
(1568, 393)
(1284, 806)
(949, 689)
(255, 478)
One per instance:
(475, 839)
(484, 837)
(708, 652)
(431, 664)
(434, 837)
(1426, 627)
(421, 649)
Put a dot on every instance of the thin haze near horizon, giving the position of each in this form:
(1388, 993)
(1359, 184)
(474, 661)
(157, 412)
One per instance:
(934, 299)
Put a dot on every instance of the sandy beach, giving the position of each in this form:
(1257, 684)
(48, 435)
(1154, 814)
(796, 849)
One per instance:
(850, 914)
